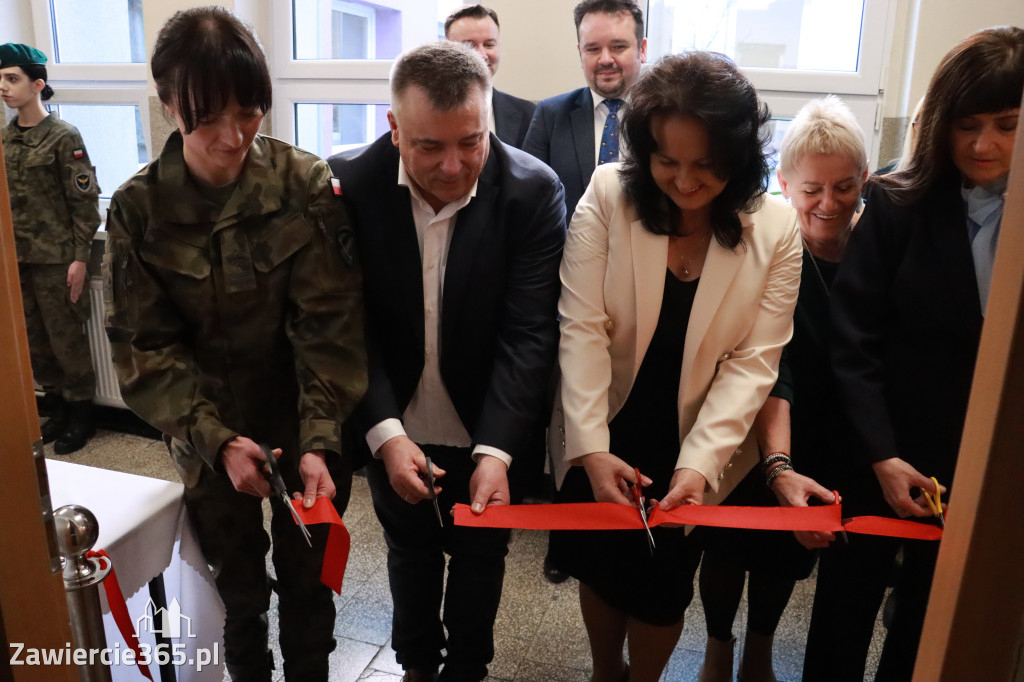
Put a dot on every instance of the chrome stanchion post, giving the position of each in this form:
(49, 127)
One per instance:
(77, 530)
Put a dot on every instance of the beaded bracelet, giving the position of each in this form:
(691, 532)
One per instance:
(774, 473)
(774, 457)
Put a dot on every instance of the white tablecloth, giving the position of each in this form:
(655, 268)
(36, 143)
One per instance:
(144, 529)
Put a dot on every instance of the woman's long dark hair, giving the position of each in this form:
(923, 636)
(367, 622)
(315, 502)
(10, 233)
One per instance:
(202, 57)
(709, 87)
(983, 74)
(37, 72)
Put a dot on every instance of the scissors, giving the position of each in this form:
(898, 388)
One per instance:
(273, 473)
(430, 482)
(638, 501)
(935, 502)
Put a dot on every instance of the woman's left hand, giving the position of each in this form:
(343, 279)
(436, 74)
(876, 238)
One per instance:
(687, 487)
(794, 490)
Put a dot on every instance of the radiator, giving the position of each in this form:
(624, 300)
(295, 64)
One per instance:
(107, 391)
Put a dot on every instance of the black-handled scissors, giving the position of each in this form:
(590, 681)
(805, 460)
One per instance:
(273, 473)
(433, 496)
(638, 501)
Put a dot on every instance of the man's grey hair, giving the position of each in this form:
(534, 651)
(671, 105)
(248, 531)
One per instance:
(445, 71)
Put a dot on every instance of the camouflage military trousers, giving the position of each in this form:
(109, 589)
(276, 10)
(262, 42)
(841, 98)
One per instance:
(57, 340)
(230, 529)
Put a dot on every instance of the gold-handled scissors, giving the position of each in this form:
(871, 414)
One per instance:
(638, 501)
(273, 473)
(935, 502)
(433, 496)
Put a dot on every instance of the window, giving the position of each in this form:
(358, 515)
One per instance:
(98, 32)
(792, 50)
(327, 129)
(819, 35)
(98, 69)
(333, 62)
(113, 136)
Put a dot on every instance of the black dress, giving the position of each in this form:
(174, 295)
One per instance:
(617, 564)
(807, 382)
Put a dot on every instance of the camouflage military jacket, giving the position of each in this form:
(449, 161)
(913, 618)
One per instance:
(244, 319)
(53, 192)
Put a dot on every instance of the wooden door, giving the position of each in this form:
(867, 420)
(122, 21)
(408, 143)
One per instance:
(32, 604)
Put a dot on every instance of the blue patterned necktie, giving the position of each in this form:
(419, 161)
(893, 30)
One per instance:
(610, 137)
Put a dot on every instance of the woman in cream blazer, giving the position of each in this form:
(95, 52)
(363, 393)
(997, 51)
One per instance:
(693, 119)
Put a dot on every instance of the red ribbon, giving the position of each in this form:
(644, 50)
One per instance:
(611, 516)
(119, 610)
(338, 540)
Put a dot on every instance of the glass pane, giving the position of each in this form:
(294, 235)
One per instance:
(808, 35)
(778, 127)
(113, 137)
(353, 29)
(97, 32)
(327, 129)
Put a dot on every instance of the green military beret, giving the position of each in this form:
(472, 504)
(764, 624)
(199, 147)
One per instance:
(17, 54)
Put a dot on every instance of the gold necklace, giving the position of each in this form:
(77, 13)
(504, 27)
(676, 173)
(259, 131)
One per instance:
(692, 260)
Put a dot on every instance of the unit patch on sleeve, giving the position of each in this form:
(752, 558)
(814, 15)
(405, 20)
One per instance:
(83, 181)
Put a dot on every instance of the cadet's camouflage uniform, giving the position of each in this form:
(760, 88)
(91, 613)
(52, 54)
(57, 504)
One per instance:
(54, 205)
(223, 321)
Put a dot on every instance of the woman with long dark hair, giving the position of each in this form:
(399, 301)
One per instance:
(908, 305)
(678, 284)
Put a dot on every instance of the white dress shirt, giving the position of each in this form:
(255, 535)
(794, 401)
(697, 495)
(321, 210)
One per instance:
(431, 418)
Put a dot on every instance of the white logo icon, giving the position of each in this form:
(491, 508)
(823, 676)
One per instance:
(165, 621)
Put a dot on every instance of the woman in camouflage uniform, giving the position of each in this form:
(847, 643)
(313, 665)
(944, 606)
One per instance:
(234, 311)
(53, 203)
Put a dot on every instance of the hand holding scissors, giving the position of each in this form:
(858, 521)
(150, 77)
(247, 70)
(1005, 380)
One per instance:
(935, 502)
(638, 502)
(272, 471)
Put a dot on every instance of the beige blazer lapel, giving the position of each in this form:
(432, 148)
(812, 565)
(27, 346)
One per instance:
(720, 268)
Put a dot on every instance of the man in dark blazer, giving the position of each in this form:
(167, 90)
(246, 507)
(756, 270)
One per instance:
(477, 26)
(461, 237)
(566, 129)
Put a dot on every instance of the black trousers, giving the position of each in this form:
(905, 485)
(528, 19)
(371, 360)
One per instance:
(851, 585)
(417, 546)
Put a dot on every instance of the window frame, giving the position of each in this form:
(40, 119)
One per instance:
(125, 75)
(876, 28)
(92, 84)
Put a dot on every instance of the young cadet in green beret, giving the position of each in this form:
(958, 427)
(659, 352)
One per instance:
(54, 206)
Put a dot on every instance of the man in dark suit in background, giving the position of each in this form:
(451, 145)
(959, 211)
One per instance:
(461, 237)
(477, 26)
(576, 131)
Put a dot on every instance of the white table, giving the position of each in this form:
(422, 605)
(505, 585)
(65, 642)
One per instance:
(144, 529)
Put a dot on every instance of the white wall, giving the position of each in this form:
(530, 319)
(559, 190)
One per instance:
(15, 21)
(538, 48)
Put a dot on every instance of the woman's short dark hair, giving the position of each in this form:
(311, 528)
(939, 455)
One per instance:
(37, 72)
(983, 74)
(709, 87)
(203, 57)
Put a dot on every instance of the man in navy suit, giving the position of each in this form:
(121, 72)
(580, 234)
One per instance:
(567, 130)
(461, 237)
(477, 26)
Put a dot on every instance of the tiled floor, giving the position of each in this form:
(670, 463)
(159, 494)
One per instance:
(540, 635)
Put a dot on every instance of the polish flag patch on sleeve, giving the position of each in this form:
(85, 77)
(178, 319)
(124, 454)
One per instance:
(336, 186)
(79, 153)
